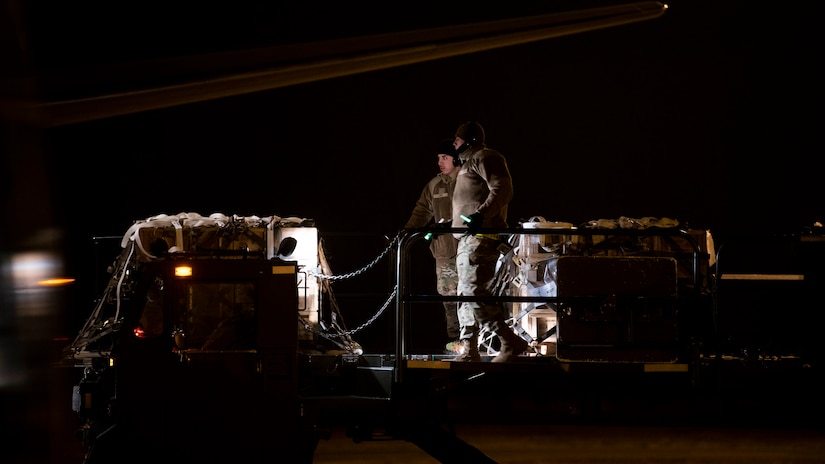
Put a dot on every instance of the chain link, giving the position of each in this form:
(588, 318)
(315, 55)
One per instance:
(343, 334)
(357, 329)
(320, 275)
(377, 314)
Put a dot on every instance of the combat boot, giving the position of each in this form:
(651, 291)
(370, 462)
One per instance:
(469, 351)
(511, 344)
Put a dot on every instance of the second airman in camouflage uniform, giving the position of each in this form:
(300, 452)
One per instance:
(435, 206)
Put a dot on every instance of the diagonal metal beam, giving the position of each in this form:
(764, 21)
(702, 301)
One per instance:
(277, 67)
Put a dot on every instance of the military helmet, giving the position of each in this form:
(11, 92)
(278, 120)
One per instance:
(471, 132)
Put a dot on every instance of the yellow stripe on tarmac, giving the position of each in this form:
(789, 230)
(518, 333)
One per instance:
(666, 367)
(422, 364)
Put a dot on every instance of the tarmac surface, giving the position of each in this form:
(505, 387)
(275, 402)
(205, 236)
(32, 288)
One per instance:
(764, 416)
(622, 432)
(760, 416)
(577, 444)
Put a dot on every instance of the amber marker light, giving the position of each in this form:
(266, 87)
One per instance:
(183, 271)
(55, 282)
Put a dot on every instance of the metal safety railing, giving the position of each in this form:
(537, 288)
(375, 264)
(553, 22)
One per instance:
(653, 241)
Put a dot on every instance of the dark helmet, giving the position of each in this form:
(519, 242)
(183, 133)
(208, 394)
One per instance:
(446, 147)
(471, 132)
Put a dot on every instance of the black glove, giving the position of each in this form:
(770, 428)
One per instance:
(438, 225)
(474, 221)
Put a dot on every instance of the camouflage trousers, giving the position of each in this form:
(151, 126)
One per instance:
(476, 265)
(447, 284)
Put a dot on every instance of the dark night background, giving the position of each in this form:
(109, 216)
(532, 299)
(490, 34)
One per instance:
(707, 115)
(710, 114)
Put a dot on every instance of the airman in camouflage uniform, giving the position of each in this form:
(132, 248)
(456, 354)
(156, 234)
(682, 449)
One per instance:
(435, 206)
(482, 193)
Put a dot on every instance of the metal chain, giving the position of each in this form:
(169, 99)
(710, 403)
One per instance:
(357, 329)
(343, 334)
(315, 273)
(377, 314)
